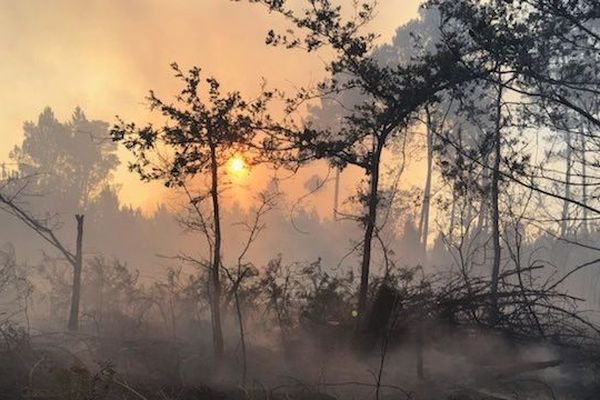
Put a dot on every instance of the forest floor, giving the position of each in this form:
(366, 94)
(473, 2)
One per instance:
(75, 367)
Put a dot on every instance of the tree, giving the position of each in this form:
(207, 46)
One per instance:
(540, 52)
(10, 198)
(69, 163)
(204, 130)
(495, 194)
(245, 269)
(417, 38)
(390, 97)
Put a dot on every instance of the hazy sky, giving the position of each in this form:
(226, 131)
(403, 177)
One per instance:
(104, 55)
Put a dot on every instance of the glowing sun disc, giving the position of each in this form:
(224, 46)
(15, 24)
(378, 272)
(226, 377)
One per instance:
(237, 166)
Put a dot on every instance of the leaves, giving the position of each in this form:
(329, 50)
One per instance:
(202, 118)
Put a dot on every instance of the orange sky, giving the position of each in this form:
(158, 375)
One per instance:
(104, 55)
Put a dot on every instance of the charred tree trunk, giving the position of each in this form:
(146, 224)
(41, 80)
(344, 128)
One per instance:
(497, 140)
(75, 260)
(370, 225)
(215, 301)
(73, 325)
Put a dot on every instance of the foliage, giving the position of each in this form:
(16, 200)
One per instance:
(70, 163)
(224, 123)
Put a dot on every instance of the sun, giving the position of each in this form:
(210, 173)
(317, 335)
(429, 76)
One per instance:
(236, 166)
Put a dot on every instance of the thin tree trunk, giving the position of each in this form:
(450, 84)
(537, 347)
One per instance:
(240, 318)
(216, 261)
(483, 216)
(419, 350)
(584, 196)
(424, 221)
(564, 223)
(494, 312)
(336, 194)
(479, 234)
(369, 228)
(452, 217)
(73, 325)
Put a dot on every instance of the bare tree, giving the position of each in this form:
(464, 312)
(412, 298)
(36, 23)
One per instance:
(244, 269)
(10, 204)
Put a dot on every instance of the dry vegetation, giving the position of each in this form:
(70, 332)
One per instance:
(499, 300)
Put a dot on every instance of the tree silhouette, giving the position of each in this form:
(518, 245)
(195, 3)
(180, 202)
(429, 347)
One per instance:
(390, 97)
(70, 163)
(11, 201)
(204, 130)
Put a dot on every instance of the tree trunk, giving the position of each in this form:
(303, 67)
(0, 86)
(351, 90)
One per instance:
(238, 310)
(336, 194)
(370, 225)
(452, 221)
(419, 350)
(73, 325)
(494, 312)
(584, 196)
(483, 215)
(564, 223)
(424, 221)
(216, 261)
(479, 235)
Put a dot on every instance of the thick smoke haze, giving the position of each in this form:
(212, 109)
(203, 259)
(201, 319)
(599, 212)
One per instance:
(299, 199)
(105, 55)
